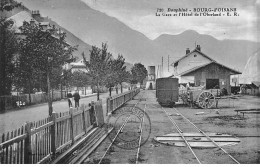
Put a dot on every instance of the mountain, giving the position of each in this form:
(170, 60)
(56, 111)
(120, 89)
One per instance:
(95, 27)
(233, 53)
(73, 41)
(70, 38)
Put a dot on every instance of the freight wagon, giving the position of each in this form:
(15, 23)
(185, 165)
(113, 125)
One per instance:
(167, 92)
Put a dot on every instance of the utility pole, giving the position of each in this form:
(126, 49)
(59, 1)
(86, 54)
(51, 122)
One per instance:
(168, 63)
(162, 66)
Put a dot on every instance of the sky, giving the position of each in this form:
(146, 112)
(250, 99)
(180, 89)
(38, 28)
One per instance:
(140, 15)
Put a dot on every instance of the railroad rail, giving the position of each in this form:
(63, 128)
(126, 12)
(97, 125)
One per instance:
(121, 129)
(140, 139)
(199, 130)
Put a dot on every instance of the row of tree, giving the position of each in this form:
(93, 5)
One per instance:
(34, 60)
(104, 70)
(31, 59)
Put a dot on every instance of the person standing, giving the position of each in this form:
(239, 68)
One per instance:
(69, 96)
(76, 98)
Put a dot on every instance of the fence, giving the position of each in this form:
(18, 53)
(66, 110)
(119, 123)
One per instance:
(117, 101)
(37, 142)
(10, 102)
(253, 92)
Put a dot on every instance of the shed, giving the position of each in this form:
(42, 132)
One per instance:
(213, 75)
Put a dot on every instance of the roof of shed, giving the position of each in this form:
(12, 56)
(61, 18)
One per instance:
(195, 50)
(185, 73)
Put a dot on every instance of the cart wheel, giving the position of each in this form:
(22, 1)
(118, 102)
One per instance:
(206, 100)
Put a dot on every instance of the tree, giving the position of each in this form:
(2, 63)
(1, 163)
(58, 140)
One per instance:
(42, 53)
(8, 43)
(110, 77)
(79, 79)
(139, 73)
(98, 65)
(121, 75)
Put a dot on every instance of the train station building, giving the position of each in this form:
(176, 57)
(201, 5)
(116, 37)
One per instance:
(201, 70)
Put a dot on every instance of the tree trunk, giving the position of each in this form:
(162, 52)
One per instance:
(49, 93)
(30, 99)
(2, 70)
(121, 87)
(97, 91)
(110, 91)
(116, 90)
(60, 90)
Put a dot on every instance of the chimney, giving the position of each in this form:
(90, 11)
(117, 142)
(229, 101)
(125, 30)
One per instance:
(36, 14)
(198, 48)
(187, 51)
(32, 22)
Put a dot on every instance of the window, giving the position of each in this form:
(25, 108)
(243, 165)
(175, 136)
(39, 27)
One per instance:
(195, 55)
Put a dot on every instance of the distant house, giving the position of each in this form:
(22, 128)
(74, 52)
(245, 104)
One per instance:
(251, 89)
(198, 68)
(76, 66)
(17, 20)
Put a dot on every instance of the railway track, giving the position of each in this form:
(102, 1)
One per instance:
(181, 132)
(136, 157)
(95, 138)
(81, 152)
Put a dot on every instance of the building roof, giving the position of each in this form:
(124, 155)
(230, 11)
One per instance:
(195, 50)
(256, 83)
(185, 73)
(19, 18)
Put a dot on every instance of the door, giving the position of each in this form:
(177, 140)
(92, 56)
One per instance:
(212, 83)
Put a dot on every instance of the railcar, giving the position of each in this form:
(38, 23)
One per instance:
(167, 91)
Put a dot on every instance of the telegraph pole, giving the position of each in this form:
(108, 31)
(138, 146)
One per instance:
(162, 66)
(168, 63)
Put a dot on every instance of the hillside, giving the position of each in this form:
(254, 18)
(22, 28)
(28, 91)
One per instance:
(70, 38)
(233, 53)
(73, 41)
(95, 27)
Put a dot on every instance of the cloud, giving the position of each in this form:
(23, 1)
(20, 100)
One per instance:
(140, 15)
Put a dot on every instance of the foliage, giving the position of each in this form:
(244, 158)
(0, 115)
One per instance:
(116, 72)
(98, 65)
(8, 48)
(8, 5)
(41, 52)
(139, 73)
(79, 79)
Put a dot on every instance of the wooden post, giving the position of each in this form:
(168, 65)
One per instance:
(112, 105)
(84, 118)
(28, 144)
(108, 105)
(53, 133)
(94, 112)
(71, 125)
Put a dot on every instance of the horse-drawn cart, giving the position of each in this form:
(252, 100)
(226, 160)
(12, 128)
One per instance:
(199, 96)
